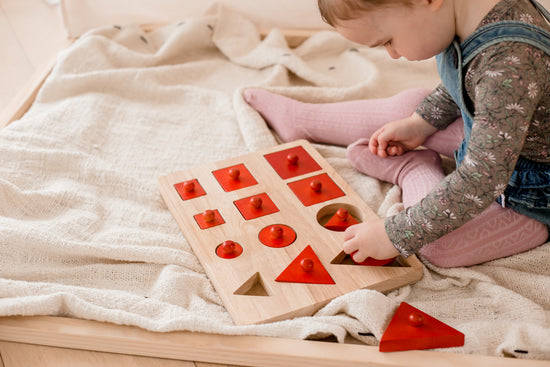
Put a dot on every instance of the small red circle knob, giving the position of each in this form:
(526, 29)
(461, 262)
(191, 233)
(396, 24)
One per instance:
(209, 215)
(228, 247)
(276, 232)
(189, 186)
(292, 159)
(316, 185)
(342, 214)
(416, 319)
(234, 173)
(307, 265)
(256, 202)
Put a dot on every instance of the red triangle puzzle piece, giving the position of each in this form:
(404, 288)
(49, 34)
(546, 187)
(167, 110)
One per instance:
(306, 268)
(340, 221)
(412, 329)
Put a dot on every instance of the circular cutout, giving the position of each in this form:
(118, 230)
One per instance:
(277, 235)
(338, 216)
(229, 250)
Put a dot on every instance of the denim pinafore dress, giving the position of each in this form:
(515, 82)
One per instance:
(528, 191)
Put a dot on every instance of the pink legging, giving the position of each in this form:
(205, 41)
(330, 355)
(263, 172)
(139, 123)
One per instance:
(495, 233)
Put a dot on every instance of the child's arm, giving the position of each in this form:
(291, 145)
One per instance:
(368, 239)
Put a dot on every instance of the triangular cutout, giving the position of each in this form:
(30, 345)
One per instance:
(306, 268)
(412, 329)
(254, 286)
(341, 220)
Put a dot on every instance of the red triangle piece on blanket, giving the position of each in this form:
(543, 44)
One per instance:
(306, 268)
(412, 329)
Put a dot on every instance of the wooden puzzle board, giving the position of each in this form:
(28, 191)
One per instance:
(218, 202)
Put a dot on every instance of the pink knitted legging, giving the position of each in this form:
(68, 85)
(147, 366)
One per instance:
(495, 233)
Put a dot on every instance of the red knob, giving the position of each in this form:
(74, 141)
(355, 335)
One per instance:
(292, 159)
(316, 185)
(342, 214)
(189, 186)
(234, 173)
(228, 247)
(307, 265)
(276, 232)
(256, 202)
(416, 319)
(209, 215)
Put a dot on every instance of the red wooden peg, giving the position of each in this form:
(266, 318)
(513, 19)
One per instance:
(256, 202)
(229, 250)
(307, 265)
(342, 214)
(316, 185)
(234, 173)
(292, 159)
(209, 215)
(276, 232)
(189, 186)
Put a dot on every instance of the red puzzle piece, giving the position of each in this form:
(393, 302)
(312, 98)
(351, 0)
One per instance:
(229, 250)
(340, 221)
(292, 162)
(316, 189)
(412, 329)
(256, 206)
(209, 218)
(234, 177)
(306, 268)
(277, 236)
(189, 189)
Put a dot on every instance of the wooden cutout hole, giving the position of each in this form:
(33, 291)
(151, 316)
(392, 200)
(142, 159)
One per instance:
(327, 212)
(254, 286)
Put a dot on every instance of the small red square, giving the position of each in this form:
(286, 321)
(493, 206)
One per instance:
(292, 162)
(316, 189)
(209, 218)
(256, 206)
(234, 177)
(189, 189)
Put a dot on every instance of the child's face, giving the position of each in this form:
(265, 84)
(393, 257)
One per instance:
(417, 32)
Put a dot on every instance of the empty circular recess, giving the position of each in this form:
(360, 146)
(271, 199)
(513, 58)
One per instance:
(328, 213)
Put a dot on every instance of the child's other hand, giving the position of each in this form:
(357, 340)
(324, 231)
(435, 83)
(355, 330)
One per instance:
(398, 137)
(368, 239)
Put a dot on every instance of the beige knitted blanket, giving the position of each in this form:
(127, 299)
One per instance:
(85, 233)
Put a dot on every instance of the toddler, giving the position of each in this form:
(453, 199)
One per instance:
(491, 112)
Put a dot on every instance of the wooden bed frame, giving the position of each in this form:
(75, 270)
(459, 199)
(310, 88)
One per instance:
(211, 348)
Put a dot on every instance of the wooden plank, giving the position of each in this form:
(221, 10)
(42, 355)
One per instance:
(25, 355)
(226, 349)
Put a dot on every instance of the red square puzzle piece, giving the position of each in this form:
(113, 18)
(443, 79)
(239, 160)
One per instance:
(189, 189)
(234, 177)
(292, 162)
(316, 189)
(256, 206)
(209, 218)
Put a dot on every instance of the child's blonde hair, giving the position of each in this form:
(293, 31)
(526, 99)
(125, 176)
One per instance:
(334, 11)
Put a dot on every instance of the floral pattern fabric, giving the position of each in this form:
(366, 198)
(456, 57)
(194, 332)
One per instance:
(508, 90)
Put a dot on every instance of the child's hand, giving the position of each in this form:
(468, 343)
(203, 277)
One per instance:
(398, 137)
(368, 239)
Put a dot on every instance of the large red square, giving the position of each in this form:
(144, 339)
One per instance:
(234, 177)
(292, 162)
(256, 206)
(316, 189)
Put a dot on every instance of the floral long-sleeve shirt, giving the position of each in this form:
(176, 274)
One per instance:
(508, 87)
